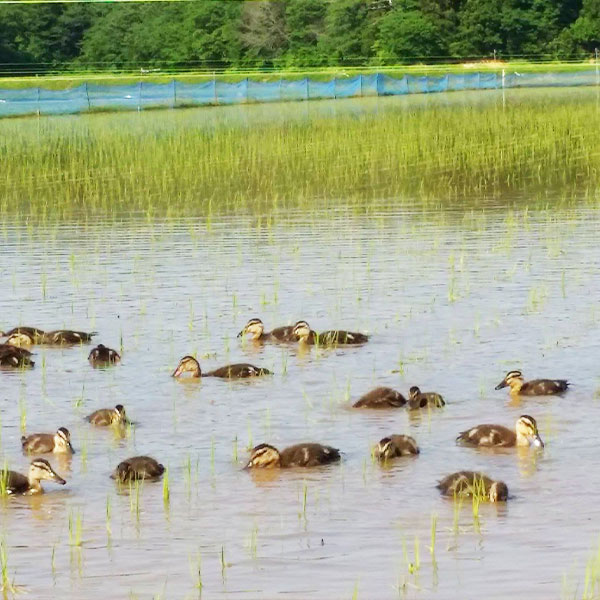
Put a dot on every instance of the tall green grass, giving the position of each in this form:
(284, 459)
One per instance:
(196, 162)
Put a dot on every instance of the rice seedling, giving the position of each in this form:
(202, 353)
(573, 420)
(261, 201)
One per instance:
(451, 151)
(7, 585)
(166, 493)
(75, 529)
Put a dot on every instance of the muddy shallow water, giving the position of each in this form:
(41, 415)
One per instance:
(452, 302)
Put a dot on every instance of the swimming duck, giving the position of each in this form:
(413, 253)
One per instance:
(535, 387)
(138, 467)
(394, 446)
(381, 397)
(333, 337)
(13, 356)
(41, 443)
(469, 483)
(39, 469)
(418, 399)
(257, 329)
(188, 364)
(525, 434)
(101, 355)
(20, 340)
(108, 416)
(64, 337)
(33, 332)
(265, 456)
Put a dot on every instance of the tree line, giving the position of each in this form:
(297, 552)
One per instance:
(291, 33)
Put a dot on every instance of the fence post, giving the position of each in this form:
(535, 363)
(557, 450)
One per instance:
(335, 88)
(215, 97)
(597, 74)
(38, 101)
(306, 79)
(247, 90)
(280, 93)
(140, 97)
(360, 77)
(87, 95)
(174, 93)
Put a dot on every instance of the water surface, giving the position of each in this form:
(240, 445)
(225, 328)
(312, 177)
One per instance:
(452, 299)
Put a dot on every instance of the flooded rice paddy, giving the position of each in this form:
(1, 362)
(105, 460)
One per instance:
(453, 299)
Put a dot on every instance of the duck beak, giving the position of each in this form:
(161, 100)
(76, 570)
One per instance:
(241, 333)
(178, 371)
(247, 466)
(57, 478)
(537, 442)
(501, 385)
(71, 448)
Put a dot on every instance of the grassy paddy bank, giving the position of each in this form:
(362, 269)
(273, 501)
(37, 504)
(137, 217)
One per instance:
(261, 158)
(61, 81)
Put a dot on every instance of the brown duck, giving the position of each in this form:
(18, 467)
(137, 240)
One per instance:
(381, 397)
(15, 357)
(418, 399)
(333, 337)
(535, 387)
(42, 443)
(265, 456)
(256, 328)
(188, 364)
(525, 434)
(108, 416)
(395, 446)
(138, 467)
(101, 355)
(470, 483)
(39, 470)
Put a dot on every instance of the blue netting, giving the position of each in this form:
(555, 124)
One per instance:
(264, 91)
(142, 95)
(190, 94)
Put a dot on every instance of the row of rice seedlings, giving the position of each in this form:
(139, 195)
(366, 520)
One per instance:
(55, 168)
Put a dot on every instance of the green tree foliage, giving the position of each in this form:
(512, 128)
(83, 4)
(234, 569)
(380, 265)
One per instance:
(408, 34)
(289, 33)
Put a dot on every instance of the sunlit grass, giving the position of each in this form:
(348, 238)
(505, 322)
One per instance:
(177, 165)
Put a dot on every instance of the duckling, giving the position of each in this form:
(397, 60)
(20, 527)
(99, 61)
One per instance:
(64, 337)
(469, 483)
(525, 434)
(101, 355)
(381, 397)
(257, 329)
(108, 416)
(33, 332)
(265, 456)
(535, 387)
(394, 446)
(418, 399)
(20, 340)
(138, 467)
(304, 334)
(30, 484)
(12, 356)
(41, 443)
(188, 364)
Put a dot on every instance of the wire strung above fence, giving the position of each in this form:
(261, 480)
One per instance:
(89, 97)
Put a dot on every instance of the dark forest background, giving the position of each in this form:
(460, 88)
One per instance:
(292, 33)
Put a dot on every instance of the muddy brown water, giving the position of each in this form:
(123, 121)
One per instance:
(451, 301)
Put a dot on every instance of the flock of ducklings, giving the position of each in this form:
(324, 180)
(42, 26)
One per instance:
(14, 353)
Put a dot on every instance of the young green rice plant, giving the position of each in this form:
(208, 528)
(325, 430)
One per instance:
(8, 586)
(166, 493)
(252, 541)
(4, 480)
(75, 528)
(196, 568)
(234, 456)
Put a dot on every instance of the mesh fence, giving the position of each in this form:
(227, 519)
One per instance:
(142, 95)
